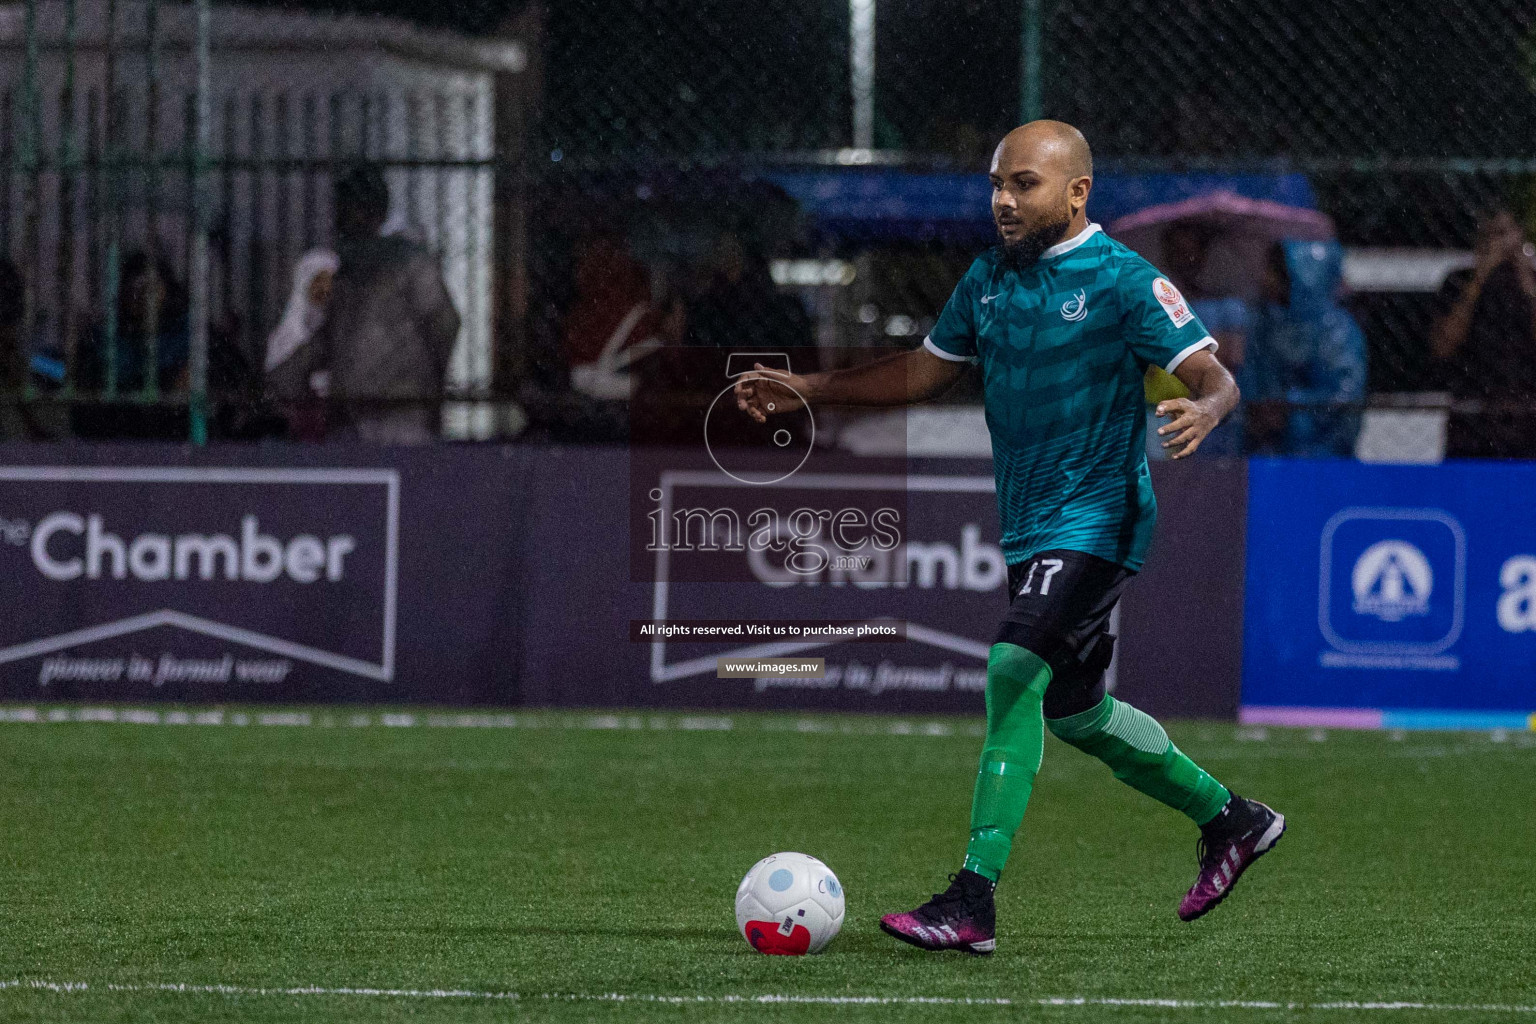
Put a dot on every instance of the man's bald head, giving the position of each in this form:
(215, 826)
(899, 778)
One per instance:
(1053, 142)
(1041, 175)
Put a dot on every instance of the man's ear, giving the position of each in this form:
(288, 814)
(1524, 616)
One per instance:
(1077, 192)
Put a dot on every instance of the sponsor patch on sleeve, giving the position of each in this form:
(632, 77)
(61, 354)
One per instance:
(1172, 302)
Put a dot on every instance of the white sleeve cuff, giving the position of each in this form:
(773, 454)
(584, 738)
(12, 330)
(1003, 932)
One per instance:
(931, 347)
(1205, 342)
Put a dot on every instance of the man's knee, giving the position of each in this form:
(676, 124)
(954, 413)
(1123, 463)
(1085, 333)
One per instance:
(1018, 667)
(1078, 686)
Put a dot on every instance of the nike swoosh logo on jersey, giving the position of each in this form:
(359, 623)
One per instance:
(988, 298)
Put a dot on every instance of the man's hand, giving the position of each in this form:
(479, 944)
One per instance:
(1192, 419)
(1498, 241)
(1213, 394)
(762, 392)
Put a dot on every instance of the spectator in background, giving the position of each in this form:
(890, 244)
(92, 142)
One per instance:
(305, 311)
(150, 301)
(288, 359)
(612, 322)
(1304, 372)
(741, 306)
(1186, 247)
(13, 299)
(1484, 338)
(21, 364)
(15, 423)
(391, 326)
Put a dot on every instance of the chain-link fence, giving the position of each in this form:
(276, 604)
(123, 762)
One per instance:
(1405, 123)
(1335, 83)
(802, 171)
(107, 192)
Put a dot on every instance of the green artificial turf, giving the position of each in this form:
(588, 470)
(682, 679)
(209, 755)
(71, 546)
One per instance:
(563, 862)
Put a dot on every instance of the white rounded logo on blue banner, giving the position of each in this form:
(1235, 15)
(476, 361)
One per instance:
(1393, 585)
(1392, 580)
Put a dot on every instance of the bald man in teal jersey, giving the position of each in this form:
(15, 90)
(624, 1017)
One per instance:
(1065, 323)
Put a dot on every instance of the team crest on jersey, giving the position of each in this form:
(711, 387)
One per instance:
(1172, 302)
(1075, 308)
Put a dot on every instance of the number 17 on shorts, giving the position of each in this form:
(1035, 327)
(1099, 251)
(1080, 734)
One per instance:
(1042, 569)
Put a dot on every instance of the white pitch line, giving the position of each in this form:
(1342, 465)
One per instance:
(1249, 743)
(344, 718)
(70, 987)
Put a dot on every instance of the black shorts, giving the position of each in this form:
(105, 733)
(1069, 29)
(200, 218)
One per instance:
(1060, 602)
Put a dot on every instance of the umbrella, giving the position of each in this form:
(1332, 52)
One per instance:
(1242, 231)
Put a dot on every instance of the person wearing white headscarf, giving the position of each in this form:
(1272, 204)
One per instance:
(294, 381)
(305, 311)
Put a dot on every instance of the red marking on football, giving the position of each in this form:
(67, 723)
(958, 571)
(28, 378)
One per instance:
(766, 938)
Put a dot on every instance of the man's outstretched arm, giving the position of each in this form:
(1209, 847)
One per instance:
(1212, 394)
(905, 378)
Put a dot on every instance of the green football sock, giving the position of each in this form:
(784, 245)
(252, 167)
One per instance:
(1016, 682)
(1142, 756)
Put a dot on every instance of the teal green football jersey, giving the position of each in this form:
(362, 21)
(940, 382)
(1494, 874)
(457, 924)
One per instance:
(1063, 347)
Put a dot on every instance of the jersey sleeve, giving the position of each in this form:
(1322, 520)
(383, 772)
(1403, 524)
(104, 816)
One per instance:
(1163, 331)
(954, 334)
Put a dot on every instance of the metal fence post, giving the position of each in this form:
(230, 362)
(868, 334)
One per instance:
(111, 211)
(861, 63)
(1030, 100)
(69, 168)
(197, 312)
(29, 153)
(157, 287)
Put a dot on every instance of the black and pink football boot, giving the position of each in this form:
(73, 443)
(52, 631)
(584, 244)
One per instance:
(962, 917)
(1243, 832)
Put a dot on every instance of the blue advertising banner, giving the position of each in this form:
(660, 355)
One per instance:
(1390, 595)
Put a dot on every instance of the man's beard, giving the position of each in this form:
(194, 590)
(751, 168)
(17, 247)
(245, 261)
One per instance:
(1025, 253)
